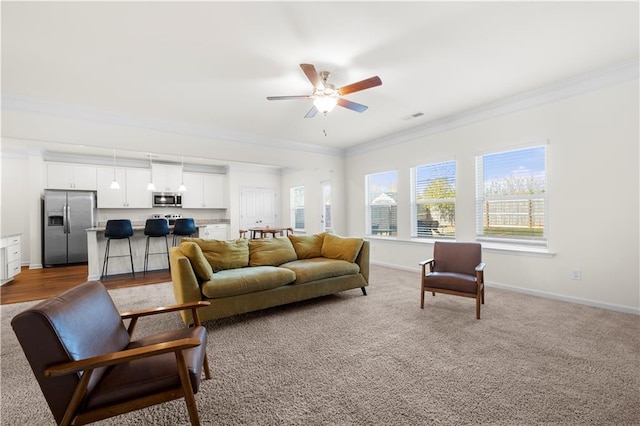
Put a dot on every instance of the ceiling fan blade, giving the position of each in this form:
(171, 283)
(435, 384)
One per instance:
(312, 112)
(360, 85)
(352, 105)
(280, 98)
(312, 75)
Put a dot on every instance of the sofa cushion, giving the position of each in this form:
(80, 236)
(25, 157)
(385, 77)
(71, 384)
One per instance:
(342, 248)
(271, 251)
(199, 263)
(232, 282)
(223, 255)
(307, 246)
(318, 268)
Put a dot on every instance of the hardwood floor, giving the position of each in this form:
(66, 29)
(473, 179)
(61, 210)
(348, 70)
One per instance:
(37, 284)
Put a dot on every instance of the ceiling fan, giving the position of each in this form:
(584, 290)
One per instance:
(325, 96)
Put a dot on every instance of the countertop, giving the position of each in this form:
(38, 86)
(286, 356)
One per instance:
(11, 235)
(139, 225)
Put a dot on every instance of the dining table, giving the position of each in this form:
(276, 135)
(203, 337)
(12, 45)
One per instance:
(265, 231)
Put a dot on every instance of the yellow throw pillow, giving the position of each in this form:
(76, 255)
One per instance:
(343, 248)
(223, 255)
(307, 246)
(271, 251)
(199, 263)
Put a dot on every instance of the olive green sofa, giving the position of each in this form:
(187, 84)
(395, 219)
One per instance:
(242, 275)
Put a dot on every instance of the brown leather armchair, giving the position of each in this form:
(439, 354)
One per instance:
(457, 269)
(89, 368)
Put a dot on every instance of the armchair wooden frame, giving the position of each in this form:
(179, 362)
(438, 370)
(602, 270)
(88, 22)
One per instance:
(479, 295)
(88, 365)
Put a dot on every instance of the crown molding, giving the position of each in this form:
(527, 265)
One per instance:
(563, 89)
(60, 109)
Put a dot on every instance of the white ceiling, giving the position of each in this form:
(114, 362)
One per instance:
(213, 64)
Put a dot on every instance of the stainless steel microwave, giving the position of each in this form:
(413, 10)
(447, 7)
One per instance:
(167, 199)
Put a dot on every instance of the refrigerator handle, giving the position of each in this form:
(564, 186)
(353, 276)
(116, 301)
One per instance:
(65, 212)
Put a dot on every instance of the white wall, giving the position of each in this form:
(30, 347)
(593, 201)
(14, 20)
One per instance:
(17, 211)
(593, 195)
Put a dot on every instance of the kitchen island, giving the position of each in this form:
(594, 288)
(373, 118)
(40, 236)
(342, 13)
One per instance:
(96, 244)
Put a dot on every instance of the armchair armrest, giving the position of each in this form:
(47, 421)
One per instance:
(134, 315)
(121, 356)
(480, 273)
(164, 309)
(424, 264)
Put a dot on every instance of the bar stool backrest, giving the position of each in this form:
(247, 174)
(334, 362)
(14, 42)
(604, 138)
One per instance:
(156, 227)
(184, 226)
(118, 229)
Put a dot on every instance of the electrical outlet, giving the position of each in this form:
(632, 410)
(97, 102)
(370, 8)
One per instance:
(576, 274)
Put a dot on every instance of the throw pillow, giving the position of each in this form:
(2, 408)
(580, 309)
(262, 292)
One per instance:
(343, 248)
(271, 251)
(307, 246)
(223, 255)
(199, 263)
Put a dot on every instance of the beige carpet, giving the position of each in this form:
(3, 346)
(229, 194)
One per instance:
(350, 359)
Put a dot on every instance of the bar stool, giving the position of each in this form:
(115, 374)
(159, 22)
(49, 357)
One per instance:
(184, 227)
(117, 229)
(154, 228)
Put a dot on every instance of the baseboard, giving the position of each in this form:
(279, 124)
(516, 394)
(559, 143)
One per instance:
(538, 293)
(570, 299)
(35, 266)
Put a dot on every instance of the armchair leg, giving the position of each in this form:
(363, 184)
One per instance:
(364, 291)
(422, 296)
(477, 307)
(187, 389)
(207, 372)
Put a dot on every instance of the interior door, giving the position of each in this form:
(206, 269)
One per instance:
(257, 207)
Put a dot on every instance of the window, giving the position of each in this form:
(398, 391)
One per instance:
(326, 206)
(382, 208)
(434, 200)
(512, 195)
(297, 207)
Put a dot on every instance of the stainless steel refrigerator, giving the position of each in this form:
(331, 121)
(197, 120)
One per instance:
(66, 216)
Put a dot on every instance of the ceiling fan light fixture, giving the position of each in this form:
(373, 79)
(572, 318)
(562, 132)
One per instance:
(325, 104)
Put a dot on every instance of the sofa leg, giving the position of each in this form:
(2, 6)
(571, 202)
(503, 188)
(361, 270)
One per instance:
(364, 291)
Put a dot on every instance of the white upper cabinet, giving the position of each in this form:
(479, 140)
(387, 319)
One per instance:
(166, 178)
(204, 191)
(71, 176)
(133, 188)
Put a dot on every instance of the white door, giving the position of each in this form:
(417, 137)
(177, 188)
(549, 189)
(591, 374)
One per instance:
(257, 207)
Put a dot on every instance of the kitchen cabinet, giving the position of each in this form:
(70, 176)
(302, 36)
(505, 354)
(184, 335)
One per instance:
(166, 178)
(10, 258)
(133, 192)
(71, 176)
(204, 191)
(217, 231)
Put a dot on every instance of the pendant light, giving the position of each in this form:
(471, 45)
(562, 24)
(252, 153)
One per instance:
(182, 188)
(114, 184)
(151, 186)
